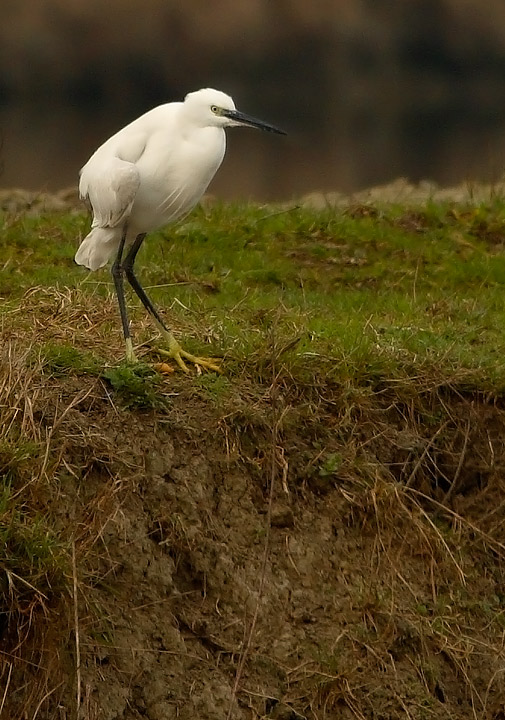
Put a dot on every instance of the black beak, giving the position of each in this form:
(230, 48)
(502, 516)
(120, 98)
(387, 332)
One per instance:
(243, 119)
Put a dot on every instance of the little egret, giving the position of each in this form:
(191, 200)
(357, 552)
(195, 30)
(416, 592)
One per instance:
(149, 174)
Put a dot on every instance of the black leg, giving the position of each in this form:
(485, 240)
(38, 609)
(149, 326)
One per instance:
(117, 276)
(134, 282)
(174, 349)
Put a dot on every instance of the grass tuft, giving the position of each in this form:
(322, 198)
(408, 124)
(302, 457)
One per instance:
(32, 558)
(59, 360)
(138, 386)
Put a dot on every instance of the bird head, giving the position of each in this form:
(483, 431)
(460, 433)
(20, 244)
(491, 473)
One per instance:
(216, 109)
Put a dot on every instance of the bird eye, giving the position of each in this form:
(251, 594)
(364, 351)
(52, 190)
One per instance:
(214, 109)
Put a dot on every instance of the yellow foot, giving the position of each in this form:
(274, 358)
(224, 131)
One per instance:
(175, 352)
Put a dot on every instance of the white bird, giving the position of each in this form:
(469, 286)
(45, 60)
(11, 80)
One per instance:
(149, 174)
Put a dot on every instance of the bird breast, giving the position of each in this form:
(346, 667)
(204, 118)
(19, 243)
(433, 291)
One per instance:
(173, 177)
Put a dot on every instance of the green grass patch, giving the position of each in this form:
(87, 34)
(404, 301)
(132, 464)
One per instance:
(137, 385)
(60, 359)
(33, 560)
(368, 293)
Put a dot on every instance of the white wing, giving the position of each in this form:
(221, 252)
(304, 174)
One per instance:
(110, 179)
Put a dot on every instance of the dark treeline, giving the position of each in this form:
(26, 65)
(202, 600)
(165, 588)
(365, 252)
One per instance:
(431, 53)
(381, 79)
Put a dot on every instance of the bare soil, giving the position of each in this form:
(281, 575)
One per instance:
(299, 552)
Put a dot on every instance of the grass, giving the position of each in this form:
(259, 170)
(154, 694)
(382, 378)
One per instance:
(59, 359)
(357, 295)
(30, 548)
(34, 560)
(363, 350)
(32, 557)
(138, 386)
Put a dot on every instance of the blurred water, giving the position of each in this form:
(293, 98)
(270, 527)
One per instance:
(43, 149)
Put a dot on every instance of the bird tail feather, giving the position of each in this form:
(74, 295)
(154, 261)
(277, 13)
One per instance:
(98, 247)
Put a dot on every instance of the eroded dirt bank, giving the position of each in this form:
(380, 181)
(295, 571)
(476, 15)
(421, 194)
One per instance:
(372, 570)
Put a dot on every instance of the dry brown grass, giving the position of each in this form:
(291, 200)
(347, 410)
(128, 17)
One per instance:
(407, 569)
(32, 566)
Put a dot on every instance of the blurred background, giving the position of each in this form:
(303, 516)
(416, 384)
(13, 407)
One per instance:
(368, 90)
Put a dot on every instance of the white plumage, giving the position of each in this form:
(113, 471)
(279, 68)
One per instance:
(151, 173)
